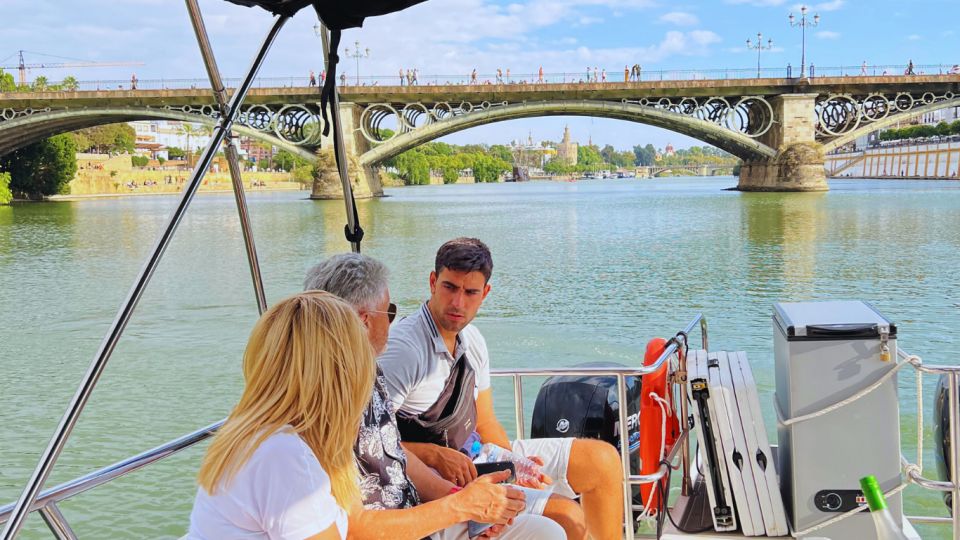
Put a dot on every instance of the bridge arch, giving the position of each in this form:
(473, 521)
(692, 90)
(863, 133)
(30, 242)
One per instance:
(890, 120)
(24, 130)
(738, 144)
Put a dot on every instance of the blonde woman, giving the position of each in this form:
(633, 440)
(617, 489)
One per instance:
(282, 466)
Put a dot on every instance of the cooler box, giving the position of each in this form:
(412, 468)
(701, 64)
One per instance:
(825, 352)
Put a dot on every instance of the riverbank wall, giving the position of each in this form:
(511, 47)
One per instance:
(137, 181)
(940, 160)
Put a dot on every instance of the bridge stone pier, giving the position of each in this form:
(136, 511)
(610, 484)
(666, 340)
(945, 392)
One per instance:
(779, 128)
(799, 162)
(364, 178)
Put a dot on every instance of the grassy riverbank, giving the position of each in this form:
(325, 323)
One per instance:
(104, 183)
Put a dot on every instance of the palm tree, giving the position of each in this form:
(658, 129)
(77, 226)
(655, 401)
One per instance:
(194, 130)
(70, 83)
(40, 83)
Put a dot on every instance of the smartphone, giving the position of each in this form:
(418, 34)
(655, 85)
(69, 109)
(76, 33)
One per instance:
(487, 468)
(474, 529)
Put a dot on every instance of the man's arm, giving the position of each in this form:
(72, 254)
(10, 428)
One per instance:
(450, 464)
(430, 485)
(488, 426)
(484, 501)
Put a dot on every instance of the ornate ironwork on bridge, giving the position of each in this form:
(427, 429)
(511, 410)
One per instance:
(750, 115)
(298, 124)
(842, 114)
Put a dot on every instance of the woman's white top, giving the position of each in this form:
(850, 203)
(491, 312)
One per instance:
(281, 492)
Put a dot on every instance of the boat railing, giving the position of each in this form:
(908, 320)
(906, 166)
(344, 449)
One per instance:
(47, 501)
(676, 346)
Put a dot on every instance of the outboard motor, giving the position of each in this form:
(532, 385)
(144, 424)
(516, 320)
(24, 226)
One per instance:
(941, 436)
(588, 407)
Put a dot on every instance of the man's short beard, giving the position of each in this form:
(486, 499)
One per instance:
(455, 328)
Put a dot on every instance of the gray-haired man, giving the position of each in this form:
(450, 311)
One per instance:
(391, 479)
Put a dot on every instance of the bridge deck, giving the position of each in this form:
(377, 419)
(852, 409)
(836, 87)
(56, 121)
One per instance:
(496, 93)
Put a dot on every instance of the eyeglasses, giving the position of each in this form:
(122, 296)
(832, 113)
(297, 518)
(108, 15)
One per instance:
(391, 312)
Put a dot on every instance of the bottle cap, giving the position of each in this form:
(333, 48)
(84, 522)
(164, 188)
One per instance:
(475, 449)
(873, 493)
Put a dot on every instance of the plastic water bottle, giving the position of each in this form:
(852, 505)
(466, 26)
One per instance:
(883, 520)
(527, 471)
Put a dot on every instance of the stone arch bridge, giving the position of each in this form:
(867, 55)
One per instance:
(780, 128)
(652, 171)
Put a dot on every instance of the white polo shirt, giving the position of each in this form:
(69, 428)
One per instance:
(417, 363)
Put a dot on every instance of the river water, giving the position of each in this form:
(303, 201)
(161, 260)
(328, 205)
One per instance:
(584, 271)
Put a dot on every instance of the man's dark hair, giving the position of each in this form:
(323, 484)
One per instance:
(465, 255)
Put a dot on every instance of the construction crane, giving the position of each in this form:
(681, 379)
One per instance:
(22, 66)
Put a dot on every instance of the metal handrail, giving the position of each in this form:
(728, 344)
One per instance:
(116, 470)
(575, 77)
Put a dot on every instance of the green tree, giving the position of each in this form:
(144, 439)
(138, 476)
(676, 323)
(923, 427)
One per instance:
(501, 152)
(175, 152)
(70, 83)
(588, 158)
(7, 84)
(199, 130)
(110, 138)
(5, 195)
(40, 83)
(285, 161)
(413, 168)
(644, 155)
(42, 168)
(557, 166)
(139, 161)
(607, 153)
(488, 168)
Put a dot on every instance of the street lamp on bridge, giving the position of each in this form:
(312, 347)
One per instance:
(760, 47)
(803, 23)
(357, 54)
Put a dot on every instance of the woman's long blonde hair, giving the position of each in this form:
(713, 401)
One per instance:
(309, 365)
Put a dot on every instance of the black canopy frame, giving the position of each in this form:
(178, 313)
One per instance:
(336, 15)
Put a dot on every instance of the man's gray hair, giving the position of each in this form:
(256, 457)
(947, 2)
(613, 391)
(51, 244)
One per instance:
(358, 279)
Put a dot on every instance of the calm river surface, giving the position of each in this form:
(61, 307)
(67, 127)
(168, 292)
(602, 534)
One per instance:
(583, 272)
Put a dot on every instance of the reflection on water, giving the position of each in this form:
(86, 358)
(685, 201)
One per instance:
(583, 271)
(782, 233)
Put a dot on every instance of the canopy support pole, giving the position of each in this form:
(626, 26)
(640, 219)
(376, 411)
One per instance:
(353, 231)
(107, 346)
(230, 150)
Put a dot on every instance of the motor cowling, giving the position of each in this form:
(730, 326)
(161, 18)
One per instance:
(588, 407)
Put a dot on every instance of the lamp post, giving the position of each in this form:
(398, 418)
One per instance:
(760, 47)
(357, 54)
(803, 23)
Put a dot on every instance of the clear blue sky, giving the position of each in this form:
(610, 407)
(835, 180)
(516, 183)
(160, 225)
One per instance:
(454, 36)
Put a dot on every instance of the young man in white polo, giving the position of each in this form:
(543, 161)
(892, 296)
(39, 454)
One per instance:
(436, 352)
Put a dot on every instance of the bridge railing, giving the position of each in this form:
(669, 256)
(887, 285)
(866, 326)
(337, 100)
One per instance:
(578, 77)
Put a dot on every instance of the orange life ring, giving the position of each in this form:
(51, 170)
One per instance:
(653, 438)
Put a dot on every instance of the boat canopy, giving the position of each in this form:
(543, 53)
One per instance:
(336, 15)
